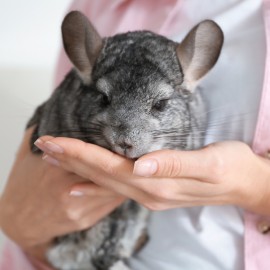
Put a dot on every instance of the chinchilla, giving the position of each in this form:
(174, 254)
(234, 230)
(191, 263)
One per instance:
(132, 93)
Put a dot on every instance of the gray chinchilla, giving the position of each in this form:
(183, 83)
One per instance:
(131, 93)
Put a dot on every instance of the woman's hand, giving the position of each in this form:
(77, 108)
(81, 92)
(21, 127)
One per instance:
(221, 173)
(41, 202)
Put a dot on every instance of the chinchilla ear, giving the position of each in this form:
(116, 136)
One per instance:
(82, 43)
(199, 51)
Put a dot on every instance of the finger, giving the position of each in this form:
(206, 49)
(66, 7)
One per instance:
(89, 161)
(201, 164)
(86, 217)
(184, 192)
(89, 220)
(91, 189)
(77, 207)
(173, 189)
(95, 156)
(115, 182)
(40, 143)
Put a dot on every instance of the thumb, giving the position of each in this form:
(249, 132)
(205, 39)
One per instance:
(199, 164)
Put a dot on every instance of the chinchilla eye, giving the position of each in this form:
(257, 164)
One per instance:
(105, 101)
(160, 105)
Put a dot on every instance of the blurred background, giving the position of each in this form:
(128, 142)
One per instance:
(30, 40)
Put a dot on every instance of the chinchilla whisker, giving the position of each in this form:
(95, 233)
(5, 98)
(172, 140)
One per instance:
(83, 130)
(236, 116)
(217, 108)
(210, 132)
(220, 122)
(233, 117)
(226, 120)
(76, 133)
(196, 135)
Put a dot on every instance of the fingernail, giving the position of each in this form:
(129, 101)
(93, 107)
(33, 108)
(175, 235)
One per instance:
(39, 144)
(53, 147)
(145, 167)
(51, 160)
(76, 193)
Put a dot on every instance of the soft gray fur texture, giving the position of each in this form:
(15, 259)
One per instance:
(132, 93)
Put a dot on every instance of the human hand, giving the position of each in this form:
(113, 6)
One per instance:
(221, 173)
(41, 202)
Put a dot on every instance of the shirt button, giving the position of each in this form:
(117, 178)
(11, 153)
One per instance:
(264, 227)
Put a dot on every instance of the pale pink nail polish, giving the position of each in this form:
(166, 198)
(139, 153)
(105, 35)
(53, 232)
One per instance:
(76, 193)
(40, 144)
(53, 147)
(50, 160)
(145, 167)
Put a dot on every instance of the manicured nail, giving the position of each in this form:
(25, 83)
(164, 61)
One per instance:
(53, 147)
(76, 193)
(145, 167)
(39, 144)
(51, 160)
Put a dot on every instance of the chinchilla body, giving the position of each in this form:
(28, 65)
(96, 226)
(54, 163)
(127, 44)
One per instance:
(132, 93)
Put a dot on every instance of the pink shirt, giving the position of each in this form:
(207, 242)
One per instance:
(128, 15)
(257, 244)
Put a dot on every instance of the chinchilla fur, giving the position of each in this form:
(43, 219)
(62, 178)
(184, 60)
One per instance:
(132, 93)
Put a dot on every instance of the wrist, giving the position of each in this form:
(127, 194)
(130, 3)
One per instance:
(257, 193)
(38, 264)
(37, 256)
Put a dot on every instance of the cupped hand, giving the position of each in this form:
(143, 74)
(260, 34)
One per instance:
(219, 174)
(41, 202)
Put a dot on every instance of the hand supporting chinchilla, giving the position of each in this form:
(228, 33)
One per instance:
(60, 211)
(219, 174)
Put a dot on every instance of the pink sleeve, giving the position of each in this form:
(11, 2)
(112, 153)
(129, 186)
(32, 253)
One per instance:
(13, 258)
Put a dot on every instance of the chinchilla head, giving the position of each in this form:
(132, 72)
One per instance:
(144, 84)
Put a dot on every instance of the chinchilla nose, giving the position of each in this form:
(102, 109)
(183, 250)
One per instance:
(124, 143)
